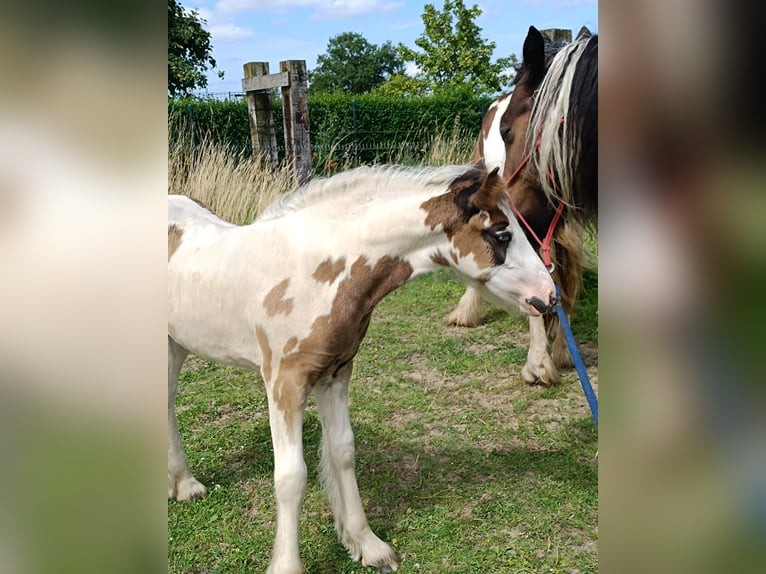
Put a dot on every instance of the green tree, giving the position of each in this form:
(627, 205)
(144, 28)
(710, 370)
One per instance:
(352, 64)
(453, 56)
(189, 50)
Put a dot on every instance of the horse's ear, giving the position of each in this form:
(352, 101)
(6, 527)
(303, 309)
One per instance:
(534, 56)
(492, 189)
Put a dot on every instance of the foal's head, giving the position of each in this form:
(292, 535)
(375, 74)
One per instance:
(486, 244)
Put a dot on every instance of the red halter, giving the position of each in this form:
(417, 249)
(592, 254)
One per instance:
(545, 243)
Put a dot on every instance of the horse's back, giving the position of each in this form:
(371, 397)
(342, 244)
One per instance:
(184, 211)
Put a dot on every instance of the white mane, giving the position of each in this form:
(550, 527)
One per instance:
(357, 185)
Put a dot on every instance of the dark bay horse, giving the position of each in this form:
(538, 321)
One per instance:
(544, 137)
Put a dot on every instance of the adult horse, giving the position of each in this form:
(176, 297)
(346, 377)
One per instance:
(292, 294)
(544, 136)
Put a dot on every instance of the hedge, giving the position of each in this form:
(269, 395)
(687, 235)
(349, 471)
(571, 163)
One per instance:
(350, 128)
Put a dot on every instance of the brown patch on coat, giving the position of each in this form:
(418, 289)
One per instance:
(467, 210)
(335, 338)
(439, 259)
(327, 271)
(174, 239)
(275, 301)
(263, 343)
(292, 342)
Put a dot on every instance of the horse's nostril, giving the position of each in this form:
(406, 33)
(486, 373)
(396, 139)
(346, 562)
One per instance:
(538, 304)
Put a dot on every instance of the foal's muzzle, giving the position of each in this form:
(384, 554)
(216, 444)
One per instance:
(540, 305)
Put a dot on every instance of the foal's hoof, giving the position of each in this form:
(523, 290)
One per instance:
(460, 320)
(188, 489)
(385, 569)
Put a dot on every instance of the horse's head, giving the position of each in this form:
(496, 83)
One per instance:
(503, 141)
(487, 246)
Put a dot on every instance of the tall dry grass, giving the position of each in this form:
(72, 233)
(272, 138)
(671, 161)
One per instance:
(233, 185)
(450, 147)
(238, 188)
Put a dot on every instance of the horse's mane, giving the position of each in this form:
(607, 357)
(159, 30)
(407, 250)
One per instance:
(569, 150)
(356, 185)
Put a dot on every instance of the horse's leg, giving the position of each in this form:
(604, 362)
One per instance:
(539, 368)
(287, 401)
(468, 310)
(181, 484)
(339, 479)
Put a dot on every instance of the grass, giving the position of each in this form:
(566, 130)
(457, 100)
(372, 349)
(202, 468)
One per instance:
(461, 467)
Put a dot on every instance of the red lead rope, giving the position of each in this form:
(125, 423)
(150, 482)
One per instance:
(545, 243)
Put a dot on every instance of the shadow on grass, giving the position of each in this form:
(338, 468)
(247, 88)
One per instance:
(396, 474)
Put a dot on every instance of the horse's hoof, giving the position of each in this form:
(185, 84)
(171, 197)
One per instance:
(385, 569)
(545, 376)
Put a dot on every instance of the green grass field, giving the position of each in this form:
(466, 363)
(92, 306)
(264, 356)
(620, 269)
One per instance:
(461, 467)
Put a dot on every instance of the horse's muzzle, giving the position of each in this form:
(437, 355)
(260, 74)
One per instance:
(540, 305)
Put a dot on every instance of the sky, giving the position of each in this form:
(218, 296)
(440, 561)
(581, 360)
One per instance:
(276, 30)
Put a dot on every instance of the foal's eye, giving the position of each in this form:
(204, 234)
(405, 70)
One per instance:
(503, 236)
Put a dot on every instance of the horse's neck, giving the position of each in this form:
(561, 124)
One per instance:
(374, 229)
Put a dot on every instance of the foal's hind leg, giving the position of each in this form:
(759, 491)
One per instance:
(539, 368)
(181, 484)
(339, 479)
(468, 310)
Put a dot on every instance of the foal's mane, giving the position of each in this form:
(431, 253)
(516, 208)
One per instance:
(570, 91)
(358, 185)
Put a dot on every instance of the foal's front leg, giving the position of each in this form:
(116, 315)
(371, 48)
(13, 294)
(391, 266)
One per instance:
(539, 368)
(287, 402)
(339, 479)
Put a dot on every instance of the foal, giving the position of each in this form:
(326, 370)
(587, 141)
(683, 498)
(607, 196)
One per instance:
(293, 293)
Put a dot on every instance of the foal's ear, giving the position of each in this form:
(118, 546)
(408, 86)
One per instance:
(491, 190)
(534, 56)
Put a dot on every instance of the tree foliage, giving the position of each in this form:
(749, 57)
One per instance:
(453, 56)
(354, 65)
(189, 50)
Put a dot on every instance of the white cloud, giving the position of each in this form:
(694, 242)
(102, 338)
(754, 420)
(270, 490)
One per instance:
(323, 8)
(339, 9)
(564, 4)
(230, 33)
(412, 69)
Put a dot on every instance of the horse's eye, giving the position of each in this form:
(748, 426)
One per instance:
(503, 236)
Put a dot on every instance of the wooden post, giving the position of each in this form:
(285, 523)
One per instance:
(296, 119)
(259, 110)
(553, 35)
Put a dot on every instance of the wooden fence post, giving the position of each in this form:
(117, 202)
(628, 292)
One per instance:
(553, 35)
(259, 109)
(296, 118)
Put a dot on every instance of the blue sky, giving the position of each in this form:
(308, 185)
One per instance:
(275, 30)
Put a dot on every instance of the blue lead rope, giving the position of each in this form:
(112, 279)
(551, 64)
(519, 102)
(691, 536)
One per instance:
(584, 380)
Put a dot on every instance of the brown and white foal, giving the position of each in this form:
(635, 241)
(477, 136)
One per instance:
(292, 294)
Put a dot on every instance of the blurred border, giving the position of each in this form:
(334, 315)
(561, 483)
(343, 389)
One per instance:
(681, 259)
(83, 180)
